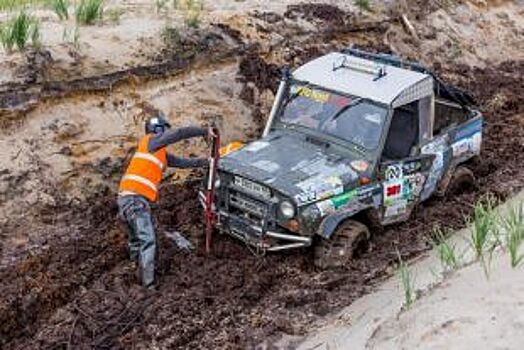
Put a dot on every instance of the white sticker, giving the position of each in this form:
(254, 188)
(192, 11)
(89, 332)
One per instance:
(373, 118)
(326, 207)
(398, 208)
(394, 172)
(256, 146)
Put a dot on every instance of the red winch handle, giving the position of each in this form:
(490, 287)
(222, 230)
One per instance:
(210, 193)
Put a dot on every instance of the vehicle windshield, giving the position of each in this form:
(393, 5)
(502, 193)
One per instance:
(351, 119)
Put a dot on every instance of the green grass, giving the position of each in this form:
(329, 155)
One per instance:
(513, 224)
(72, 36)
(408, 282)
(61, 8)
(20, 32)
(446, 251)
(9, 5)
(363, 4)
(191, 11)
(161, 5)
(89, 11)
(484, 236)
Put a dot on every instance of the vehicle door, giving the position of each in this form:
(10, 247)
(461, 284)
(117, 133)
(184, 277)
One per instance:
(403, 170)
(402, 184)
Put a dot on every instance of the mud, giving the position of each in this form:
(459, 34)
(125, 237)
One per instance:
(77, 290)
(40, 283)
(318, 12)
(251, 299)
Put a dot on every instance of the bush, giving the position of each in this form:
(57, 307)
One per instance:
(19, 32)
(89, 11)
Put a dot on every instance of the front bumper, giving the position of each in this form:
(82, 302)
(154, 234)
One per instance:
(255, 235)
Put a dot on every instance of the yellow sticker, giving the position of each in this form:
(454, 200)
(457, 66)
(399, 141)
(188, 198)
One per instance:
(314, 95)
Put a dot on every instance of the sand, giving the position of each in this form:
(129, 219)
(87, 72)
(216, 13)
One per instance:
(462, 310)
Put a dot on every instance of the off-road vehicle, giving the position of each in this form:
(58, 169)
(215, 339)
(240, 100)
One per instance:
(353, 139)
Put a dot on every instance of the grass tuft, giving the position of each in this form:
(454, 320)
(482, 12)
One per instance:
(191, 10)
(61, 8)
(407, 281)
(484, 236)
(11, 5)
(22, 31)
(447, 251)
(363, 4)
(513, 223)
(89, 11)
(161, 5)
(72, 36)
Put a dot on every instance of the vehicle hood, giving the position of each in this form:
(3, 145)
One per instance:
(291, 164)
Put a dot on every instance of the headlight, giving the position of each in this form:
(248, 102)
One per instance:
(217, 182)
(287, 209)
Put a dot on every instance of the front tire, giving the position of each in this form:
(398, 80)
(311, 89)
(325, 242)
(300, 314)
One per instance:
(350, 238)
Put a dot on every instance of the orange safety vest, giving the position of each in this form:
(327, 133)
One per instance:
(144, 172)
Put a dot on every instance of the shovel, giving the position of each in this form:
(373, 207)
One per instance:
(179, 240)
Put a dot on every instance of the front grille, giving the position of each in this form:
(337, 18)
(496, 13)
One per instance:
(252, 187)
(246, 204)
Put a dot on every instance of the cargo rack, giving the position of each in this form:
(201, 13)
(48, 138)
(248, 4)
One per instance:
(442, 89)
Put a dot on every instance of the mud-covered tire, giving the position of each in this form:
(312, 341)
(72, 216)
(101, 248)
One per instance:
(463, 179)
(349, 239)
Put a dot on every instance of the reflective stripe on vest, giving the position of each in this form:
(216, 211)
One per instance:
(140, 179)
(151, 158)
(144, 172)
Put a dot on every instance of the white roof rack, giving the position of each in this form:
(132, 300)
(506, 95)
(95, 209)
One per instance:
(365, 78)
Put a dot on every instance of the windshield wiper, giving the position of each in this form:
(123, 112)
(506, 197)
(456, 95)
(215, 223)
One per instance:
(339, 112)
(345, 108)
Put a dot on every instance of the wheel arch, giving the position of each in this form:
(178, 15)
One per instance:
(367, 216)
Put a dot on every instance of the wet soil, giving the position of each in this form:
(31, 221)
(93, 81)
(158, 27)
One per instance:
(318, 12)
(231, 299)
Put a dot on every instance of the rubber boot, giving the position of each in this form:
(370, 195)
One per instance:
(145, 233)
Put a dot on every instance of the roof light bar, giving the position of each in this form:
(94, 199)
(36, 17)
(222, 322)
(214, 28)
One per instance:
(369, 68)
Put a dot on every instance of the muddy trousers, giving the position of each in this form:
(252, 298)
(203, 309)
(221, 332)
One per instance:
(136, 213)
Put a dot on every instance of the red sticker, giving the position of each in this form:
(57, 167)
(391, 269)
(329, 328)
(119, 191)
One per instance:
(392, 191)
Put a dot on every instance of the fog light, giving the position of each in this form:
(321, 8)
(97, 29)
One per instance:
(293, 226)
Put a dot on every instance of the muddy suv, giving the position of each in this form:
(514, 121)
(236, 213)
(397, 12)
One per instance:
(353, 140)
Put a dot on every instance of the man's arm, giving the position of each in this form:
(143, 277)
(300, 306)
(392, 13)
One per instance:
(177, 162)
(174, 135)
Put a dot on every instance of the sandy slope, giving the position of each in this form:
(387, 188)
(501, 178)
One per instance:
(461, 311)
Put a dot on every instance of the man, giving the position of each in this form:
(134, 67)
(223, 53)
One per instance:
(139, 187)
